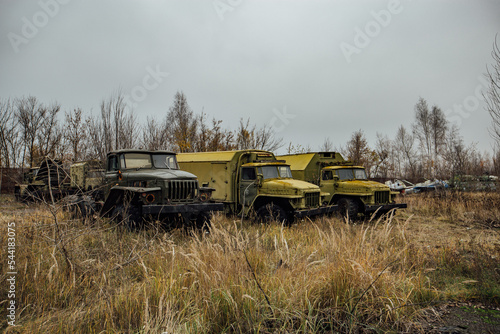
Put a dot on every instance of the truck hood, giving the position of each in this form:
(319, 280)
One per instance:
(364, 185)
(159, 174)
(289, 184)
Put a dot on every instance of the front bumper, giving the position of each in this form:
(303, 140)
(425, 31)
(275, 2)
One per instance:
(322, 210)
(193, 208)
(383, 208)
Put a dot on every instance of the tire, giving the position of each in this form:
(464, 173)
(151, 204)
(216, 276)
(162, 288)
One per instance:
(130, 217)
(81, 206)
(87, 208)
(271, 212)
(348, 208)
(17, 194)
(203, 222)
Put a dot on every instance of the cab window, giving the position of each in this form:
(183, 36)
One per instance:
(112, 163)
(248, 173)
(327, 175)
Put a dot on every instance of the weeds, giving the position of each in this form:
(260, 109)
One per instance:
(312, 277)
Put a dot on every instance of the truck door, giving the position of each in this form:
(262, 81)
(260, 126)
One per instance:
(248, 185)
(113, 173)
(327, 184)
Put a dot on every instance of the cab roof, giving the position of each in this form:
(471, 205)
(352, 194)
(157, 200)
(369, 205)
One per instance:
(343, 167)
(140, 151)
(217, 156)
(270, 163)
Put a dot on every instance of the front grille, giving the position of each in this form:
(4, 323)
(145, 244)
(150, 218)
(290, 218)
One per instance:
(312, 199)
(182, 190)
(382, 197)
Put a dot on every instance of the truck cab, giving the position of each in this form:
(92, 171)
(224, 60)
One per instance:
(140, 183)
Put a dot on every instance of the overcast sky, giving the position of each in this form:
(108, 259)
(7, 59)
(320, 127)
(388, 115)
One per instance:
(311, 69)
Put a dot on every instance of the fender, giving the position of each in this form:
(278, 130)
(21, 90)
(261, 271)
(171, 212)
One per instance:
(118, 194)
(258, 197)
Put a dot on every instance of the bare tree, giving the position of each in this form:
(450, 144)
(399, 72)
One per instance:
(96, 141)
(245, 136)
(384, 151)
(430, 129)
(39, 128)
(249, 137)
(422, 127)
(214, 137)
(119, 128)
(359, 152)
(439, 126)
(50, 134)
(327, 146)
(456, 154)
(155, 135)
(10, 140)
(266, 139)
(404, 143)
(492, 95)
(75, 134)
(496, 162)
(298, 149)
(183, 124)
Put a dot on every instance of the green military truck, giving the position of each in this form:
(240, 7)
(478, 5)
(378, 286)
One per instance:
(347, 184)
(52, 180)
(47, 181)
(253, 181)
(140, 184)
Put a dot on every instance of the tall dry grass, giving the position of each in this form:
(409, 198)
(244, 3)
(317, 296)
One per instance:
(313, 277)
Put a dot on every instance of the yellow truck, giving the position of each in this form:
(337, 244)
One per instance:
(254, 181)
(88, 177)
(347, 184)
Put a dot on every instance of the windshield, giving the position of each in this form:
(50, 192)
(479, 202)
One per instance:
(165, 161)
(351, 174)
(136, 160)
(272, 172)
(146, 160)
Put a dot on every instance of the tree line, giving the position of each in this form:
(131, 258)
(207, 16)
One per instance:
(31, 130)
(431, 147)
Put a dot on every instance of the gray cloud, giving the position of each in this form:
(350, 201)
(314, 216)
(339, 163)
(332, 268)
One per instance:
(261, 56)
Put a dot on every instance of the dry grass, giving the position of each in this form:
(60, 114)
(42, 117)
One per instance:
(314, 277)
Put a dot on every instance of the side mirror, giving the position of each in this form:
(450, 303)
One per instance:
(260, 179)
(336, 178)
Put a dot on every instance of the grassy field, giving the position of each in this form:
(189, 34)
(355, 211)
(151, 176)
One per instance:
(319, 276)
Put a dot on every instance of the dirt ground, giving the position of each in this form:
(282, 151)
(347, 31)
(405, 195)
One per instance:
(463, 318)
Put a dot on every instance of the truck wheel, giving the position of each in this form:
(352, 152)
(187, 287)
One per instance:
(203, 222)
(17, 194)
(348, 208)
(87, 207)
(130, 217)
(269, 212)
